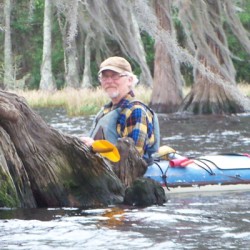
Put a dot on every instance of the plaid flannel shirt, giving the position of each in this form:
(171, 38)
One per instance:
(135, 121)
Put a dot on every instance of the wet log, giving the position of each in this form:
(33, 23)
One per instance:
(41, 167)
(139, 191)
(144, 192)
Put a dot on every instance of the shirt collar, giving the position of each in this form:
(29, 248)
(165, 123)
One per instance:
(123, 102)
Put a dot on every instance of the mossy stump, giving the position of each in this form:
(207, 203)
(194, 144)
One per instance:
(41, 167)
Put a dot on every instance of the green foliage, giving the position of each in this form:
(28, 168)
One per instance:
(35, 62)
(57, 56)
(94, 69)
(245, 14)
(27, 39)
(186, 70)
(148, 43)
(242, 64)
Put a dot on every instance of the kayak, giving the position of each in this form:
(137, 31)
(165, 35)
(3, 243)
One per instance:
(206, 173)
(180, 174)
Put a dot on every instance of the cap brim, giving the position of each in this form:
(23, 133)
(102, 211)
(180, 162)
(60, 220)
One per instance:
(113, 68)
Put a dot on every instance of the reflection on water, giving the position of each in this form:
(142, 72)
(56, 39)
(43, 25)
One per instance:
(191, 221)
(198, 221)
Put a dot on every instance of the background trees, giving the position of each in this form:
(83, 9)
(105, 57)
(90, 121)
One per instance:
(47, 81)
(214, 91)
(188, 34)
(167, 75)
(8, 69)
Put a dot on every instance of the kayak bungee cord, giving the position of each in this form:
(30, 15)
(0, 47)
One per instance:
(164, 175)
(209, 170)
(212, 173)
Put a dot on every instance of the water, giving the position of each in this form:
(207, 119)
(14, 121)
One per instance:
(192, 221)
(189, 135)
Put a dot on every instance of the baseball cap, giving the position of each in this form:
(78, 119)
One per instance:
(115, 63)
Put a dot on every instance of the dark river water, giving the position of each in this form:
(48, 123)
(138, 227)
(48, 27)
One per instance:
(212, 220)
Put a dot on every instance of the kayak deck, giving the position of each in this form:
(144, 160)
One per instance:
(207, 173)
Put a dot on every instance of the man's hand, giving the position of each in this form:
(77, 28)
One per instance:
(87, 140)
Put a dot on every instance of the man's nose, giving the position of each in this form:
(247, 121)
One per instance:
(109, 78)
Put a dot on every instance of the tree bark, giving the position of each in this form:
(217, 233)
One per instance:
(71, 55)
(166, 94)
(40, 167)
(8, 67)
(131, 166)
(208, 98)
(87, 79)
(214, 91)
(72, 65)
(15, 189)
(47, 81)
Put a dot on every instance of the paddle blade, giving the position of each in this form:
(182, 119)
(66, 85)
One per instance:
(102, 146)
(113, 156)
(106, 149)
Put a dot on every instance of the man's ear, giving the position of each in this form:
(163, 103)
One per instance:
(130, 81)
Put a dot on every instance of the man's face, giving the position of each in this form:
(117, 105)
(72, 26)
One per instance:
(116, 85)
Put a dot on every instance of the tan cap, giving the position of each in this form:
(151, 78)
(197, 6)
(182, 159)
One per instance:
(115, 63)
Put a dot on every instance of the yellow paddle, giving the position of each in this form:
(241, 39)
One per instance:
(110, 151)
(106, 149)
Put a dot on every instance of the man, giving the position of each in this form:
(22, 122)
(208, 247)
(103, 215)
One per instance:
(124, 116)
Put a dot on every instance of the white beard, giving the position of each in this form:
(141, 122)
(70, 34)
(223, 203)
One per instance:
(113, 95)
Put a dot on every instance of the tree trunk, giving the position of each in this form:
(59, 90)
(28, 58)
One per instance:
(208, 98)
(87, 79)
(8, 67)
(166, 94)
(72, 65)
(47, 80)
(71, 55)
(214, 91)
(131, 166)
(40, 167)
(15, 189)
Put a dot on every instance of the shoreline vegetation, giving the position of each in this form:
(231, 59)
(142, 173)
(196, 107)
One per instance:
(80, 102)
